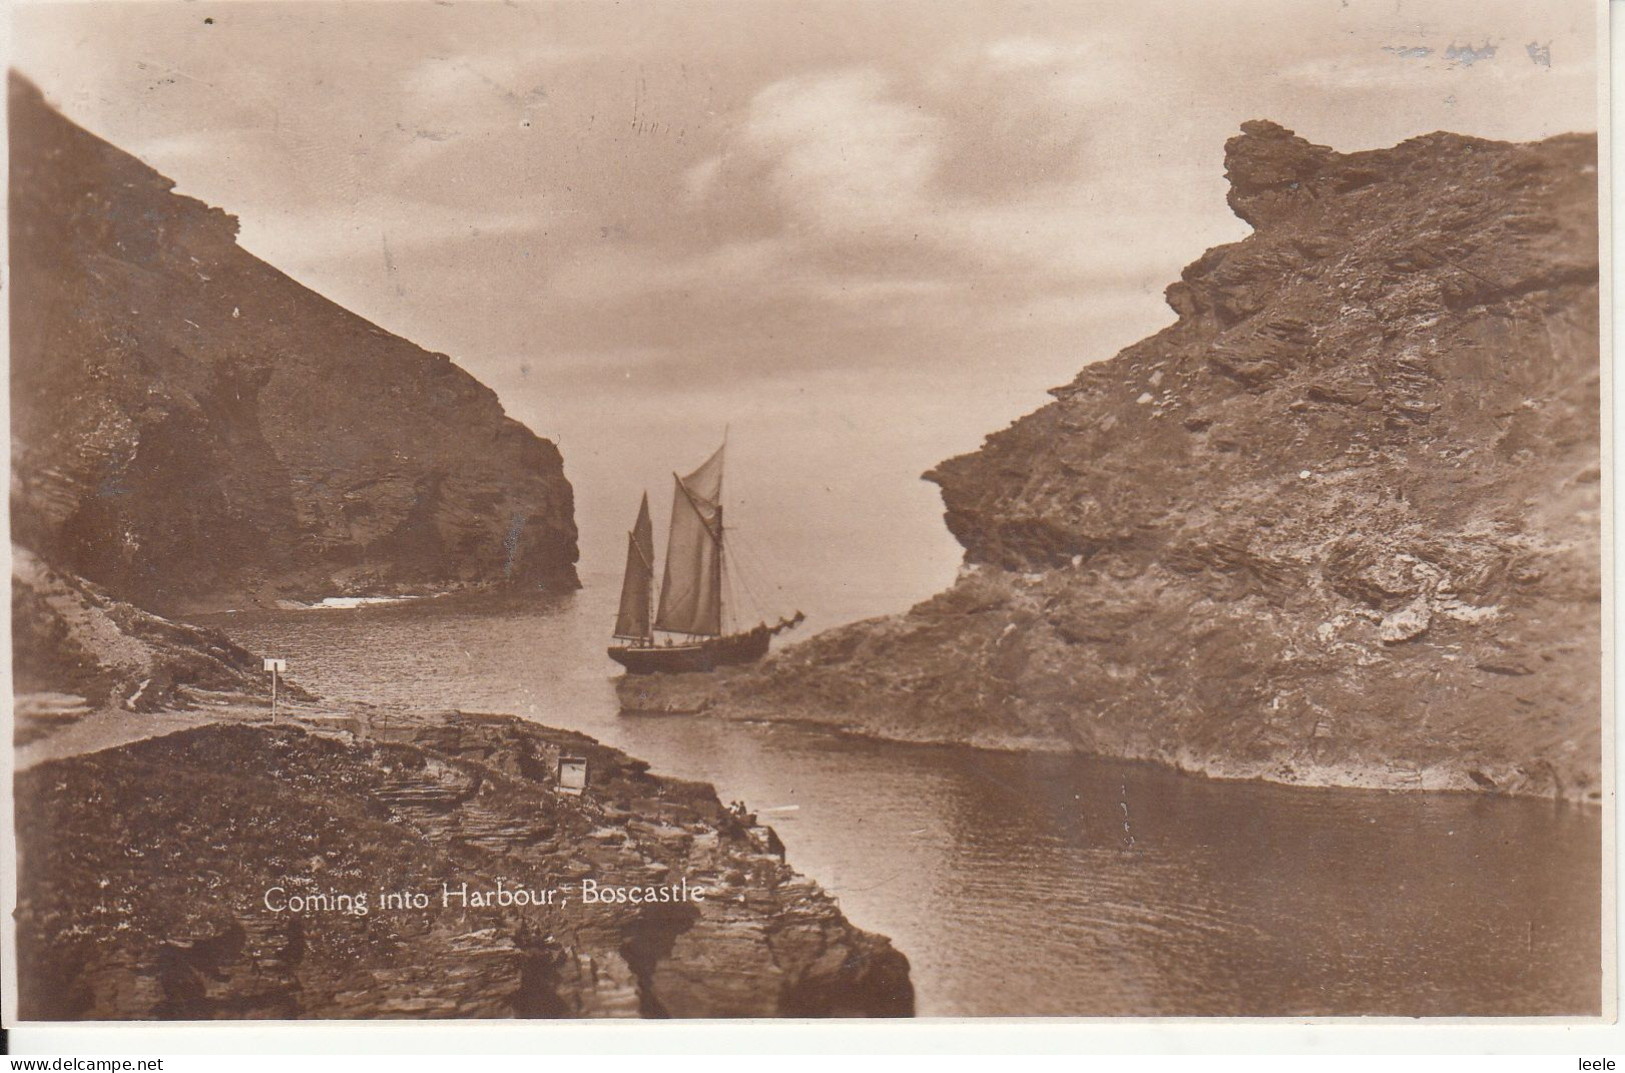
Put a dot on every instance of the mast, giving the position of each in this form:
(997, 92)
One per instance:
(722, 621)
(718, 580)
(691, 589)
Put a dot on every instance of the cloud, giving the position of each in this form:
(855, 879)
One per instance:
(834, 206)
(863, 169)
(1026, 111)
(515, 72)
(700, 178)
(449, 104)
(321, 238)
(847, 155)
(616, 274)
(1078, 70)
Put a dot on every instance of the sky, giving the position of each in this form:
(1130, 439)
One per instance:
(859, 236)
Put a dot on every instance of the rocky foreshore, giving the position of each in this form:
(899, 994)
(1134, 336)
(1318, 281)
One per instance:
(165, 827)
(866, 705)
(1338, 524)
(392, 864)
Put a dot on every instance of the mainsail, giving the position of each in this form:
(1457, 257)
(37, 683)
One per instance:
(632, 624)
(691, 591)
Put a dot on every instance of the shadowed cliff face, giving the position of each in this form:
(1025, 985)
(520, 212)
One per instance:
(192, 428)
(1338, 523)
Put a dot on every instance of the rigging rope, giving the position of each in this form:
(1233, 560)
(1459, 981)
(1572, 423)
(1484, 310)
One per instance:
(747, 565)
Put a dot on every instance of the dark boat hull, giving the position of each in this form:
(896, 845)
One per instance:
(747, 647)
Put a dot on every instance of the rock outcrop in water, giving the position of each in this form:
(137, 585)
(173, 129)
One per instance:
(191, 428)
(144, 872)
(1337, 524)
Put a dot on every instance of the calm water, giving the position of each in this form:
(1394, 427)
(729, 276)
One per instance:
(1021, 885)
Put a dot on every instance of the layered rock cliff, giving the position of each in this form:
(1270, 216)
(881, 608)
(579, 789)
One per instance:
(74, 642)
(164, 879)
(192, 428)
(1336, 524)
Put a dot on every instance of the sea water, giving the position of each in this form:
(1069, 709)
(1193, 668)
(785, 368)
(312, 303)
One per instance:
(1037, 885)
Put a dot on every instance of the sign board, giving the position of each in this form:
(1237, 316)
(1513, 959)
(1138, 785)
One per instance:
(572, 774)
(278, 665)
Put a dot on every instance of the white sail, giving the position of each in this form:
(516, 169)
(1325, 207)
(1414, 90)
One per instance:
(691, 590)
(632, 623)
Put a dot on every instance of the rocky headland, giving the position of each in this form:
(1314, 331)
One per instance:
(159, 879)
(194, 430)
(1336, 525)
(157, 804)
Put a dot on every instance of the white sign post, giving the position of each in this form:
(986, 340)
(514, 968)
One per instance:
(276, 667)
(572, 775)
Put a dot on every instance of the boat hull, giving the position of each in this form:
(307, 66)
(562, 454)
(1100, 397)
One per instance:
(702, 656)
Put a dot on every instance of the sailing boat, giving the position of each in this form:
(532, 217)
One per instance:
(690, 606)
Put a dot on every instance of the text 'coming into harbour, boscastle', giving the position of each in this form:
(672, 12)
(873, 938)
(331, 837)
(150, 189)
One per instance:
(280, 899)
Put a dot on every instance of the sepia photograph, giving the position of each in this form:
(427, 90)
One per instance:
(741, 509)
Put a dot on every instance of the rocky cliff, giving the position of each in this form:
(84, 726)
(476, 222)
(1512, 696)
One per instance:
(191, 428)
(1336, 524)
(144, 874)
(73, 642)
